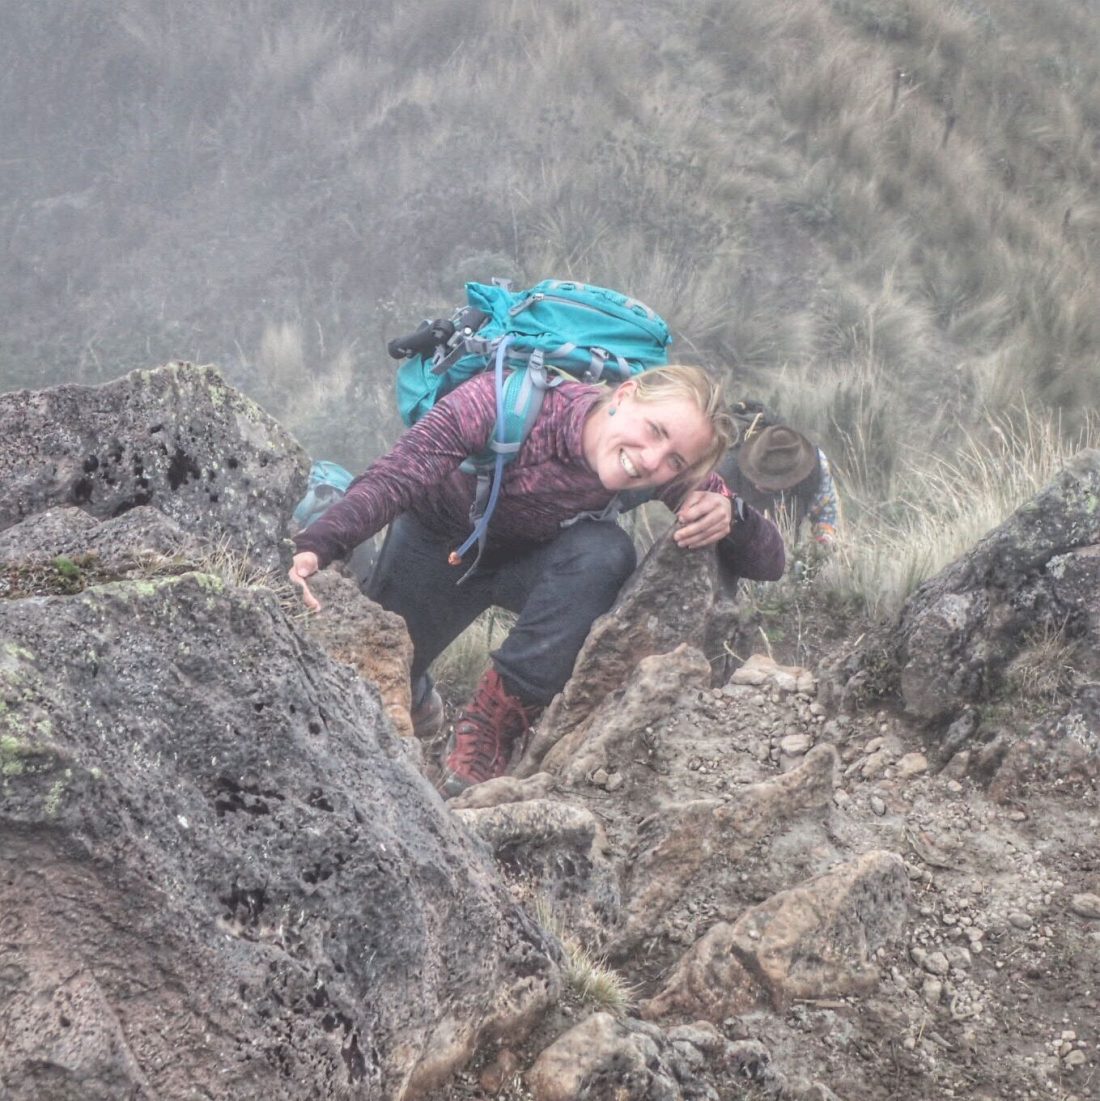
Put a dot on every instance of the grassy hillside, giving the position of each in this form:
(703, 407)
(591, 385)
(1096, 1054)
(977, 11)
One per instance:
(879, 215)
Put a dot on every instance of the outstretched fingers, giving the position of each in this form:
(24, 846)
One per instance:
(305, 565)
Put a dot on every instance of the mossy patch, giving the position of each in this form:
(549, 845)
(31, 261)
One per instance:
(16, 652)
(12, 752)
(59, 576)
(19, 756)
(70, 575)
(151, 585)
(24, 718)
(52, 803)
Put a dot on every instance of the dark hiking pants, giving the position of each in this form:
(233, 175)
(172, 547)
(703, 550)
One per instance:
(557, 589)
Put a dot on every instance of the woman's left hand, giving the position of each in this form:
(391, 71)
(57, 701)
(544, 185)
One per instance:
(703, 519)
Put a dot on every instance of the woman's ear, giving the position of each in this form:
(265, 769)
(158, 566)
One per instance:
(625, 389)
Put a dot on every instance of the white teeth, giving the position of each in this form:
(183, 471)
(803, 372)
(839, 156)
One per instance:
(627, 465)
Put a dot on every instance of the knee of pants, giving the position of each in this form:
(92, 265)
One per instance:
(597, 548)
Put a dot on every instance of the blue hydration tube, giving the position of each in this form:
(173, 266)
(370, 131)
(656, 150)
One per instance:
(482, 525)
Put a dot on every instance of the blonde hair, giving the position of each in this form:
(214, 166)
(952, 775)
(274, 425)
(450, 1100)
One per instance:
(704, 391)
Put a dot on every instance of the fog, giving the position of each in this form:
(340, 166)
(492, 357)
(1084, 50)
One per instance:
(842, 212)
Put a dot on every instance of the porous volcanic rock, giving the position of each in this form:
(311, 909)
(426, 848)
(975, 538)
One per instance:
(70, 531)
(221, 876)
(178, 438)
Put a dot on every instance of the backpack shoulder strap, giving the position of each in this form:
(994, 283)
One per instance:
(519, 400)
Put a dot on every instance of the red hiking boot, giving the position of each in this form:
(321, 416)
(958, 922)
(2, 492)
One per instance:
(484, 735)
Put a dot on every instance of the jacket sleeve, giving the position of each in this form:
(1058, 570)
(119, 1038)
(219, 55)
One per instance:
(424, 455)
(754, 547)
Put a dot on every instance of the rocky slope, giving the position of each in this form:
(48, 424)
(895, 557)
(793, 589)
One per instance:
(225, 873)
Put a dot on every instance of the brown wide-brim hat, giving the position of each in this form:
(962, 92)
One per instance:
(776, 458)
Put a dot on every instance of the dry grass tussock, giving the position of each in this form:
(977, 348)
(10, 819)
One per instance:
(316, 391)
(850, 412)
(945, 502)
(587, 977)
(234, 568)
(1045, 669)
(918, 138)
(458, 669)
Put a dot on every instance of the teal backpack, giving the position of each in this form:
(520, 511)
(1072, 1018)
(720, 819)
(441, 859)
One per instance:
(327, 483)
(532, 339)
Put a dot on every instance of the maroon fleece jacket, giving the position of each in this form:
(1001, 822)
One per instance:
(547, 482)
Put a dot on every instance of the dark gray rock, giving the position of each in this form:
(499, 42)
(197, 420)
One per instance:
(1062, 752)
(46, 534)
(221, 877)
(141, 532)
(1014, 622)
(962, 628)
(177, 438)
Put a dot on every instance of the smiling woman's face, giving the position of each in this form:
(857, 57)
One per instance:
(644, 444)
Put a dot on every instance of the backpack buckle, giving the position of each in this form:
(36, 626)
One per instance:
(464, 324)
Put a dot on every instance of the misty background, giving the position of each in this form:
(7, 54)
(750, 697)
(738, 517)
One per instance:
(880, 216)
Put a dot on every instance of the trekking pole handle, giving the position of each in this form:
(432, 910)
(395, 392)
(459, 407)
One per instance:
(428, 336)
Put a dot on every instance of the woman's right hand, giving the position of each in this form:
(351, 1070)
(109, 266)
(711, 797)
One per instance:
(305, 565)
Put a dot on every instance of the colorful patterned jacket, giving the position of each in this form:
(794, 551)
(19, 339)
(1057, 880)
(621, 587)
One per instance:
(814, 499)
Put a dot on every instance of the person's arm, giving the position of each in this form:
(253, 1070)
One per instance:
(824, 511)
(748, 544)
(423, 456)
(754, 547)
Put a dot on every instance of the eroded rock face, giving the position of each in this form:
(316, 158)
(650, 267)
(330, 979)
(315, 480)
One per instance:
(615, 731)
(562, 850)
(606, 1057)
(813, 940)
(177, 438)
(668, 602)
(373, 641)
(718, 842)
(633, 1060)
(221, 875)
